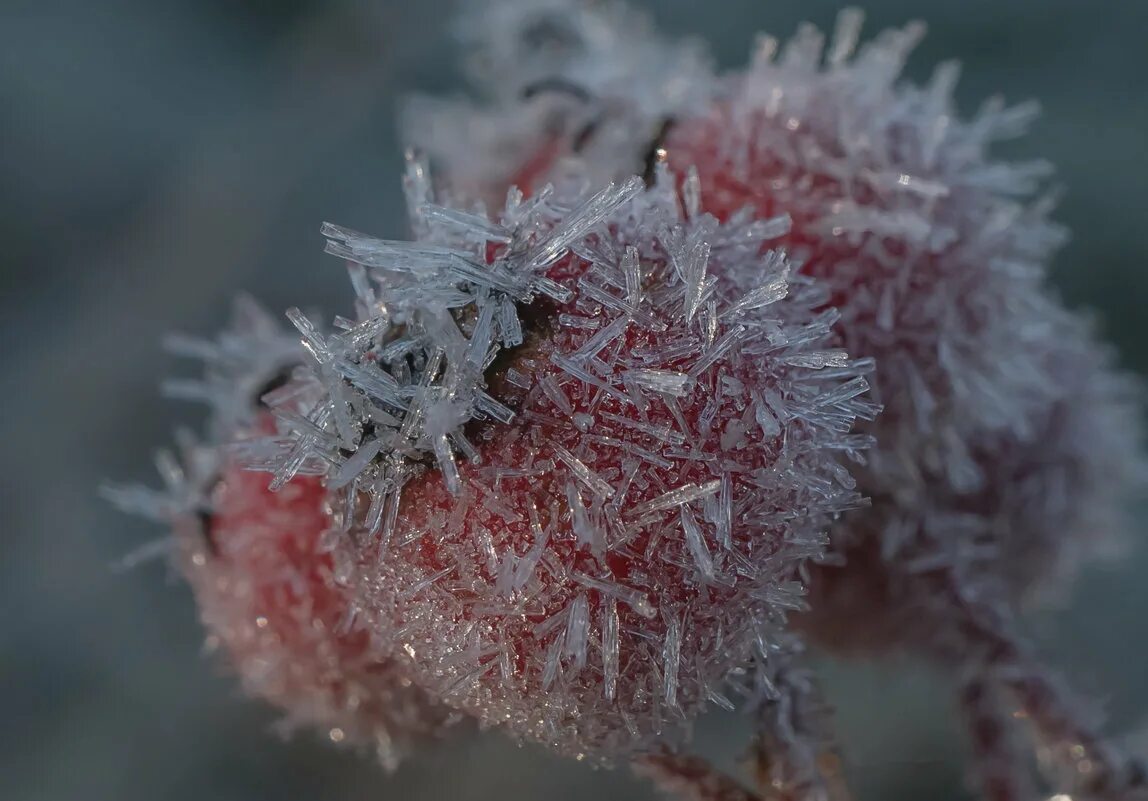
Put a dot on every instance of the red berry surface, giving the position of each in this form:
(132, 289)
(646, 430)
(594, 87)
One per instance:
(269, 598)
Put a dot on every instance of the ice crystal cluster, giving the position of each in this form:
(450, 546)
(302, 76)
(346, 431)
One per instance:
(256, 560)
(582, 449)
(584, 465)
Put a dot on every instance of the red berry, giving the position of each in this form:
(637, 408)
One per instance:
(983, 462)
(587, 565)
(259, 562)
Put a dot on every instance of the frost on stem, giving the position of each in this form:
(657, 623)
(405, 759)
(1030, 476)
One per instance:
(259, 563)
(795, 750)
(1074, 752)
(1000, 769)
(690, 778)
(582, 553)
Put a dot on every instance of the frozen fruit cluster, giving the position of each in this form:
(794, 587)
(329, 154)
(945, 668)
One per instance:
(731, 347)
(935, 257)
(1009, 445)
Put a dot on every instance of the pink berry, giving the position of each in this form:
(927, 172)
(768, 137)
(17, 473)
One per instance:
(267, 594)
(1006, 435)
(1010, 445)
(632, 433)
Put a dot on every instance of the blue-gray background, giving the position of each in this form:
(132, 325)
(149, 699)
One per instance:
(159, 155)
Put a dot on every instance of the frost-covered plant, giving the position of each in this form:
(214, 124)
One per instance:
(1008, 445)
(578, 458)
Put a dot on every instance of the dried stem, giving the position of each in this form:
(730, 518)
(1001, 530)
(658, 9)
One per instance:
(794, 752)
(691, 778)
(1000, 769)
(1077, 753)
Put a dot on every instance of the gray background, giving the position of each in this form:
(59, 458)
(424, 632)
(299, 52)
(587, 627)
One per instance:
(158, 156)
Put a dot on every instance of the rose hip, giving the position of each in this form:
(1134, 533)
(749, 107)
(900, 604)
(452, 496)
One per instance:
(595, 480)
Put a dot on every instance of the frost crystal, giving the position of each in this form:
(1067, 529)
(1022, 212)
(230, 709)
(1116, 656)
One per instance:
(252, 357)
(555, 495)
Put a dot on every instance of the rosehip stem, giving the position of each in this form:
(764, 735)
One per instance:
(794, 750)
(1000, 770)
(691, 778)
(1090, 763)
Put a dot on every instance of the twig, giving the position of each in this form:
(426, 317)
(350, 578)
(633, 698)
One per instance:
(1080, 757)
(795, 753)
(1000, 770)
(691, 778)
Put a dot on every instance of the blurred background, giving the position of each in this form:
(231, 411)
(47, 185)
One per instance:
(159, 155)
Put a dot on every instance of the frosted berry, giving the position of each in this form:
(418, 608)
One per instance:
(938, 265)
(1010, 445)
(267, 595)
(601, 436)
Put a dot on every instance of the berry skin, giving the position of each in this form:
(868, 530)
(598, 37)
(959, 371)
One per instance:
(268, 596)
(586, 566)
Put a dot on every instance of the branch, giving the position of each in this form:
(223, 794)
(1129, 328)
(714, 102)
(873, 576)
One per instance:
(795, 751)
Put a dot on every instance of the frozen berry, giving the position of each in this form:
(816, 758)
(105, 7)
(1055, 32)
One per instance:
(938, 267)
(601, 435)
(1010, 445)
